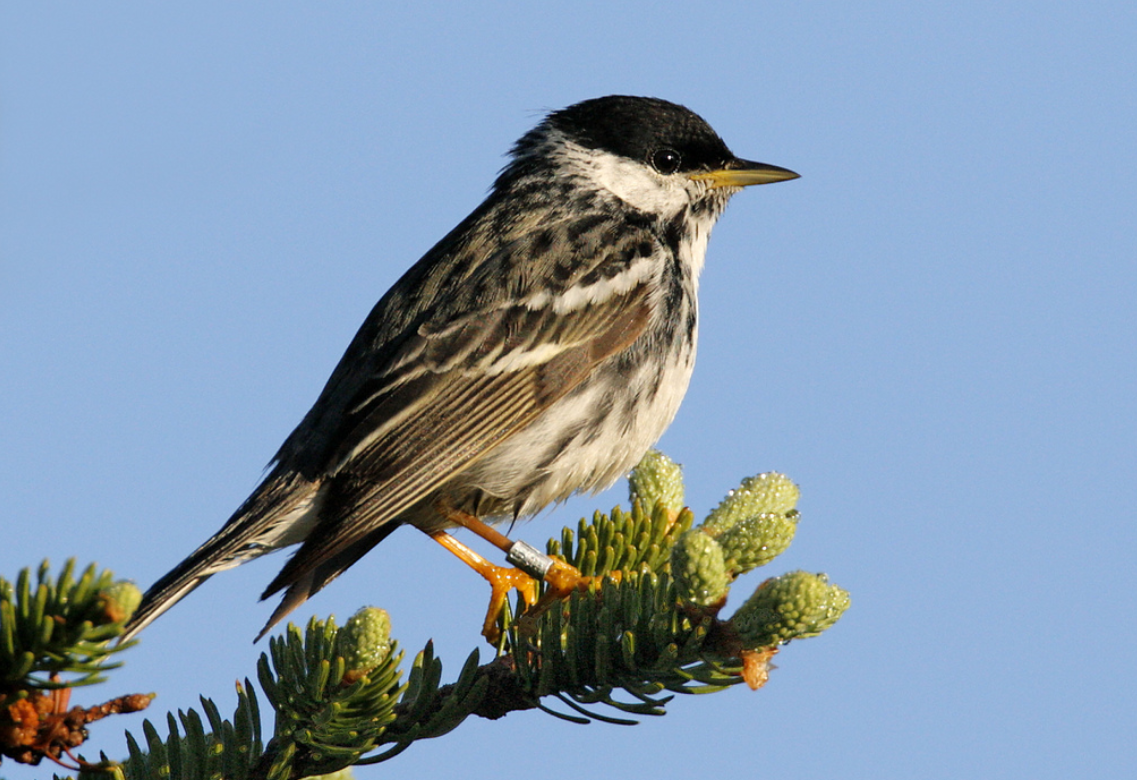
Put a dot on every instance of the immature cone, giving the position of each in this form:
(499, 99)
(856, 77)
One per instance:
(343, 774)
(364, 641)
(792, 606)
(769, 493)
(657, 478)
(699, 569)
(757, 540)
(104, 770)
(119, 601)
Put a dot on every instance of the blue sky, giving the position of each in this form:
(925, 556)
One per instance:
(932, 332)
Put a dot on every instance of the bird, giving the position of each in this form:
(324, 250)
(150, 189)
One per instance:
(538, 350)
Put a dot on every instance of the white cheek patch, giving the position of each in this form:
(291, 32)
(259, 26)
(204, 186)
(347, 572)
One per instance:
(633, 182)
(638, 185)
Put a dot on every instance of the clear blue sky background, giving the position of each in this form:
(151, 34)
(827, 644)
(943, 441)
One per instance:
(932, 332)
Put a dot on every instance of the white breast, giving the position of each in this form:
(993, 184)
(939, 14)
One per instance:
(596, 434)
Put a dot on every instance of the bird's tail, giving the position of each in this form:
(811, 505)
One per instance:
(206, 561)
(304, 581)
(279, 513)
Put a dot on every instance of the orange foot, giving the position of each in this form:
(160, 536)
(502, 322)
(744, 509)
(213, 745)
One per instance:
(531, 566)
(502, 579)
(562, 578)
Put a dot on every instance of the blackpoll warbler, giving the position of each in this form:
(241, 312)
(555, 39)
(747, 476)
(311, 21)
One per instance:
(537, 350)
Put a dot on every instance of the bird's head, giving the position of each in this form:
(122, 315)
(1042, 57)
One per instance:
(654, 155)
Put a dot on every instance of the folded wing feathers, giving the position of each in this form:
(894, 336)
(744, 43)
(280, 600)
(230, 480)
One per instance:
(460, 417)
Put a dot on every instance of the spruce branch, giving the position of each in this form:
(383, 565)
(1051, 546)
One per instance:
(56, 634)
(647, 628)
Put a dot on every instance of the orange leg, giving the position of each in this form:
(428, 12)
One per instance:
(532, 565)
(500, 578)
(487, 532)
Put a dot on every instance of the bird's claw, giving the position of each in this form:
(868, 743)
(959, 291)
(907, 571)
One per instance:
(502, 580)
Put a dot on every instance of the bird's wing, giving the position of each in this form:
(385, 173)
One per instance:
(461, 386)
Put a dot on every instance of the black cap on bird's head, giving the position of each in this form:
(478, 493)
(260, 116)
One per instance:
(635, 127)
(666, 136)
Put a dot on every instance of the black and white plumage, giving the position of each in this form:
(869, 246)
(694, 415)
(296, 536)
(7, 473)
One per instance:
(536, 351)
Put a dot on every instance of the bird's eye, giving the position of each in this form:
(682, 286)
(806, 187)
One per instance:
(666, 161)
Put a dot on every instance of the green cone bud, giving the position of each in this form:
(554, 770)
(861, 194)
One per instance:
(104, 770)
(657, 478)
(699, 569)
(343, 774)
(119, 601)
(365, 640)
(770, 493)
(757, 540)
(792, 606)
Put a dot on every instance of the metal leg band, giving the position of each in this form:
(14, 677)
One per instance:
(529, 559)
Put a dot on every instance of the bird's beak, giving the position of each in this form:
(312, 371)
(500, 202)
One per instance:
(743, 173)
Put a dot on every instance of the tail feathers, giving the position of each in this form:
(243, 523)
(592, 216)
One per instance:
(299, 592)
(175, 586)
(307, 581)
(279, 513)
